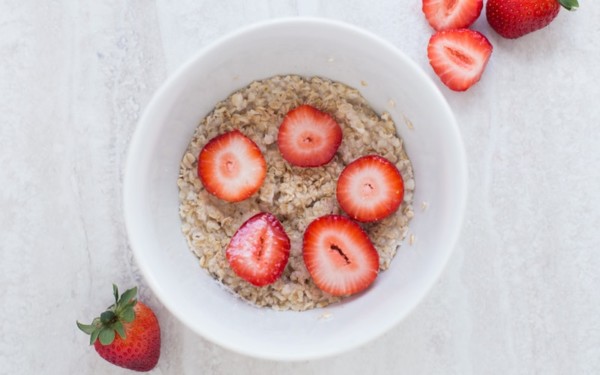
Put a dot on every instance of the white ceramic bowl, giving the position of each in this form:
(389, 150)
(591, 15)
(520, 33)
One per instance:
(309, 47)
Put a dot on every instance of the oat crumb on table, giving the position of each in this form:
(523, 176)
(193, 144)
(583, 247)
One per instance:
(412, 239)
(296, 196)
(409, 123)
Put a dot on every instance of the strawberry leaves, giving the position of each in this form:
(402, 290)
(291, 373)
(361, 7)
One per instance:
(106, 336)
(118, 326)
(110, 322)
(126, 297)
(569, 4)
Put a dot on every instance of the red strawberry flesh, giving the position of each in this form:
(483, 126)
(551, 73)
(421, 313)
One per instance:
(515, 18)
(451, 14)
(308, 137)
(339, 255)
(370, 188)
(258, 252)
(140, 350)
(232, 167)
(459, 57)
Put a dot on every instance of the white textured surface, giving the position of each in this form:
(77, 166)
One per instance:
(521, 295)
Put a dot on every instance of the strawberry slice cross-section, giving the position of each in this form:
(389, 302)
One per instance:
(232, 167)
(259, 250)
(459, 57)
(339, 255)
(451, 14)
(370, 188)
(308, 137)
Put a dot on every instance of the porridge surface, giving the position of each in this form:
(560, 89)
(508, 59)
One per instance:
(295, 195)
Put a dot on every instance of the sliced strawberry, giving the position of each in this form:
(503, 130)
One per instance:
(258, 252)
(339, 255)
(370, 188)
(308, 137)
(231, 166)
(451, 14)
(459, 57)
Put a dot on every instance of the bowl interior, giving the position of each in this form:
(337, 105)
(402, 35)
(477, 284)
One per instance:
(311, 48)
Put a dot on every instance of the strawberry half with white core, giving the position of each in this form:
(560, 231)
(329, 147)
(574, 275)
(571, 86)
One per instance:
(459, 57)
(259, 250)
(451, 14)
(308, 137)
(232, 167)
(370, 188)
(339, 255)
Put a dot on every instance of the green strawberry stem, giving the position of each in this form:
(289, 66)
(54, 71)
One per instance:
(569, 4)
(110, 322)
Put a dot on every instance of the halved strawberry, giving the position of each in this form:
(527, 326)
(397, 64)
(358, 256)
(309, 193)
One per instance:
(451, 14)
(231, 166)
(308, 137)
(339, 255)
(459, 57)
(370, 188)
(259, 250)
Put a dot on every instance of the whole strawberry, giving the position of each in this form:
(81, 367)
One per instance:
(127, 334)
(515, 18)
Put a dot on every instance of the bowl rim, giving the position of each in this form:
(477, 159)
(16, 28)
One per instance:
(136, 144)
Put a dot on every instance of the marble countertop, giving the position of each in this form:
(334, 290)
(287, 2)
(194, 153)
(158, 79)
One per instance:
(521, 294)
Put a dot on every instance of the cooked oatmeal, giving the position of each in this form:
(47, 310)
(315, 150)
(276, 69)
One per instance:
(295, 195)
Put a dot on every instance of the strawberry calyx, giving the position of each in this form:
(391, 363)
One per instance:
(111, 322)
(569, 4)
